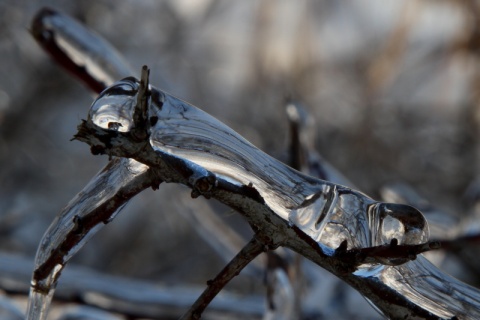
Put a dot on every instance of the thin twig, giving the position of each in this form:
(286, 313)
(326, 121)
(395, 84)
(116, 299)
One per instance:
(99, 215)
(140, 114)
(460, 242)
(226, 242)
(251, 250)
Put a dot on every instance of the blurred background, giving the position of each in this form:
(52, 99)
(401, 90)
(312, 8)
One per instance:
(392, 87)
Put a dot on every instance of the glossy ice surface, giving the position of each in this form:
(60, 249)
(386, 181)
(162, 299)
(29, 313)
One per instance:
(101, 189)
(327, 212)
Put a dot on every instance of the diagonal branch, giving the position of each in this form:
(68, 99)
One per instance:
(251, 250)
(79, 50)
(384, 254)
(83, 222)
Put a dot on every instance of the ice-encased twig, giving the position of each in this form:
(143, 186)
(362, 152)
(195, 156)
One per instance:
(79, 50)
(96, 205)
(310, 216)
(97, 64)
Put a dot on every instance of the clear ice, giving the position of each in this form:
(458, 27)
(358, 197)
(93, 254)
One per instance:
(327, 212)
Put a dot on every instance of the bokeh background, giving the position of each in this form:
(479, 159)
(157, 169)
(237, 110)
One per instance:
(392, 87)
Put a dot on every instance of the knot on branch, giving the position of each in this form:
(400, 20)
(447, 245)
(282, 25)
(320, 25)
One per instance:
(98, 138)
(203, 185)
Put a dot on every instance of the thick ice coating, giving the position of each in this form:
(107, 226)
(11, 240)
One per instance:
(327, 212)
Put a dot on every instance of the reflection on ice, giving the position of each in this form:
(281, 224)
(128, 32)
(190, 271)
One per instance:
(114, 107)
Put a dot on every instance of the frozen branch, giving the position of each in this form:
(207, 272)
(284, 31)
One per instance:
(386, 286)
(83, 221)
(78, 50)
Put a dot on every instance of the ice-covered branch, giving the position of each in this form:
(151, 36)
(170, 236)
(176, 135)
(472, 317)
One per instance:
(96, 205)
(79, 50)
(320, 220)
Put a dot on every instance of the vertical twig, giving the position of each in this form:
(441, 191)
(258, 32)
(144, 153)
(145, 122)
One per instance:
(251, 250)
(141, 109)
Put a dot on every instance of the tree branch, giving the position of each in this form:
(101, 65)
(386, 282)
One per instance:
(390, 295)
(253, 248)
(78, 50)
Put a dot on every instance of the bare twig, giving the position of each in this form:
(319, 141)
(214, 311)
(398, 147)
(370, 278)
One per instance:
(253, 248)
(140, 113)
(459, 243)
